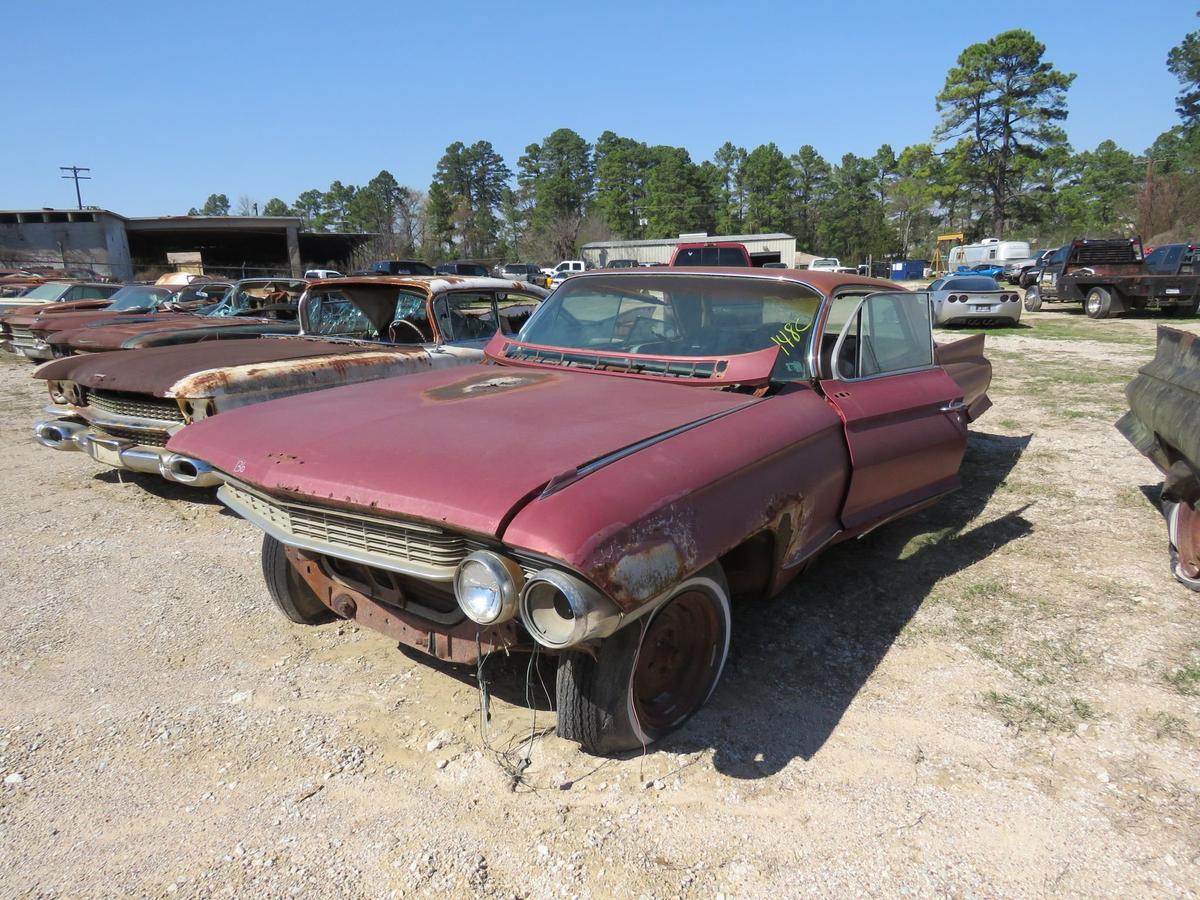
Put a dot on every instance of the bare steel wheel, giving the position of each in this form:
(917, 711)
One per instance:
(646, 680)
(674, 672)
(1183, 528)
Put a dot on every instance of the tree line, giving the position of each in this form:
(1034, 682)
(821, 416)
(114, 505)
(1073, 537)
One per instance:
(997, 164)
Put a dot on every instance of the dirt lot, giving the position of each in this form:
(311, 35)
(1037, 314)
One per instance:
(999, 695)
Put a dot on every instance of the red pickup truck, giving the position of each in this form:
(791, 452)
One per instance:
(650, 446)
(711, 253)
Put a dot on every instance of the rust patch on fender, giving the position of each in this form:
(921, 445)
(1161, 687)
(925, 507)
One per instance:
(645, 560)
(486, 383)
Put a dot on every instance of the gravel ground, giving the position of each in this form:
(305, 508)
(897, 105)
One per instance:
(989, 697)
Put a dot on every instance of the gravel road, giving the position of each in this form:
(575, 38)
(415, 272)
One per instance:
(991, 697)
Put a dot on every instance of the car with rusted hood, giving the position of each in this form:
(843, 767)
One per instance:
(652, 444)
(121, 407)
(58, 292)
(29, 332)
(1163, 425)
(247, 308)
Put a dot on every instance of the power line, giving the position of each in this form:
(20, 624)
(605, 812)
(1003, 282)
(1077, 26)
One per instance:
(75, 170)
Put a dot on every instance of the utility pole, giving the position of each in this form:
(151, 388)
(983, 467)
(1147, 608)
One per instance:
(75, 170)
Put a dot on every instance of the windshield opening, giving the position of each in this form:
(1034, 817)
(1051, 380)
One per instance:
(136, 296)
(679, 316)
(245, 297)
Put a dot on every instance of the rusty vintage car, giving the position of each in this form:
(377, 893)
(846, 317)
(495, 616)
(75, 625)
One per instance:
(46, 292)
(121, 408)
(27, 331)
(1162, 423)
(651, 444)
(201, 312)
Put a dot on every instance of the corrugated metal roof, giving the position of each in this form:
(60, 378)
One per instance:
(658, 242)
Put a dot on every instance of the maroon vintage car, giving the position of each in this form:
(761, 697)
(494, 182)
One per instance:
(200, 312)
(27, 332)
(651, 445)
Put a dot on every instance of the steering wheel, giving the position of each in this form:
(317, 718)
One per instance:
(393, 333)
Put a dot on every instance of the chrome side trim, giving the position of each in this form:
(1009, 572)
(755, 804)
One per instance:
(558, 482)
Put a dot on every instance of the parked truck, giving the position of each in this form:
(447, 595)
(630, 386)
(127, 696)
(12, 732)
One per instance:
(1111, 277)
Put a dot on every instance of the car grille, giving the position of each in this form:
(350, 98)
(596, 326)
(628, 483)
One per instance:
(145, 438)
(137, 405)
(404, 542)
(22, 337)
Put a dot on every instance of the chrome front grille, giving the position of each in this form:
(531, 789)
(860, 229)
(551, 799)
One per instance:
(400, 546)
(144, 438)
(139, 406)
(22, 337)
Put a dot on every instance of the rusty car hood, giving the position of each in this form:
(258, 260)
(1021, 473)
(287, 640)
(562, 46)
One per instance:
(155, 370)
(464, 447)
(113, 333)
(56, 322)
(27, 316)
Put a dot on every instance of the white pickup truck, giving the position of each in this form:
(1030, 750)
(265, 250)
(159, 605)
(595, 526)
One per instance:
(829, 264)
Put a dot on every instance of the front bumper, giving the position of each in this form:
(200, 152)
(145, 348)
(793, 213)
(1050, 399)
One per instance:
(121, 453)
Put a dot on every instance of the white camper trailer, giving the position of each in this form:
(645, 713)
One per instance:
(989, 250)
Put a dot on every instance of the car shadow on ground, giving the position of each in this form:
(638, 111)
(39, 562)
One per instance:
(159, 486)
(798, 662)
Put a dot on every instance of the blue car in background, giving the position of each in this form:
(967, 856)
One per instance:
(991, 270)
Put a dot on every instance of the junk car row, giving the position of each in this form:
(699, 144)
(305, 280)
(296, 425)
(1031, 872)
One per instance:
(472, 465)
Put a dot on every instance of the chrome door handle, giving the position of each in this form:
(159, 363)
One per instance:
(954, 406)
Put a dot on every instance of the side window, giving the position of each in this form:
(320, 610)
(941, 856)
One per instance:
(1172, 259)
(887, 333)
(465, 316)
(333, 314)
(895, 334)
(410, 321)
(841, 309)
(1155, 259)
(515, 309)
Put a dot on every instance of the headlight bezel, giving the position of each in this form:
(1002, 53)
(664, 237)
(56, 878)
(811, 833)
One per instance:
(509, 580)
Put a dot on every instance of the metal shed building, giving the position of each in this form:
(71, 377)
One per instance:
(763, 248)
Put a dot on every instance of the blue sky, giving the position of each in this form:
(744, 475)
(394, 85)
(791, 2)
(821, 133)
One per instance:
(169, 102)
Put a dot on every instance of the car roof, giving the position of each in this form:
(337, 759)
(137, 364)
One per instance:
(433, 284)
(825, 282)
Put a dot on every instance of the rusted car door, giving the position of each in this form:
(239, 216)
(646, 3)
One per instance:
(904, 416)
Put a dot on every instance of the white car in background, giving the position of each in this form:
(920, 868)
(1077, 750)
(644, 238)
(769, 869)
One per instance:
(830, 264)
(973, 300)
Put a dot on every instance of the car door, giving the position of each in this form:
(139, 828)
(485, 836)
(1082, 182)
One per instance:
(904, 417)
(1048, 277)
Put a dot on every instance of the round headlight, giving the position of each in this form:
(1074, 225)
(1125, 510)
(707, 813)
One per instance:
(488, 587)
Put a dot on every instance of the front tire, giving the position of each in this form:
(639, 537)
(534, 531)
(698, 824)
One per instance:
(1099, 303)
(1183, 531)
(1033, 298)
(647, 679)
(289, 592)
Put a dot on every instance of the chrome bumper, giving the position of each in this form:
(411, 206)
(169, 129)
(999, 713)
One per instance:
(62, 434)
(38, 350)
